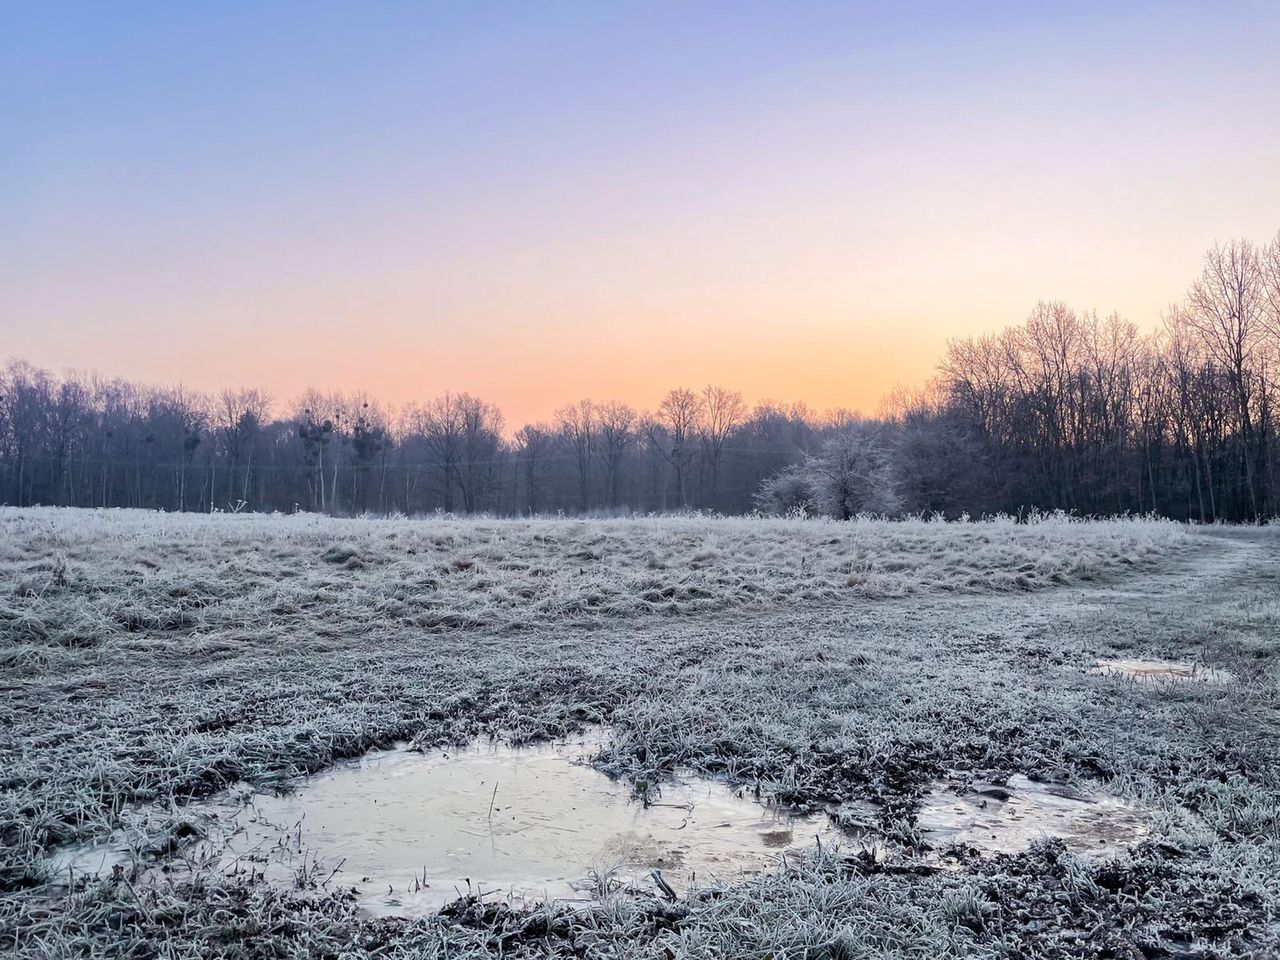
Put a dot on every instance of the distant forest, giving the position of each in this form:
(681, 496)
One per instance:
(1066, 411)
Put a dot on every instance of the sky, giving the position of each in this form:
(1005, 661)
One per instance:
(545, 201)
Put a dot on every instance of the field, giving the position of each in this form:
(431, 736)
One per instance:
(150, 659)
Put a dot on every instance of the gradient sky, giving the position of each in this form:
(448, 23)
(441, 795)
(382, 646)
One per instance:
(544, 201)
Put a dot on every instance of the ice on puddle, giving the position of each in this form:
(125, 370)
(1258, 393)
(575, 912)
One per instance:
(412, 831)
(1006, 819)
(1160, 671)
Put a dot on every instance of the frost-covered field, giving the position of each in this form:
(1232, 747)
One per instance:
(156, 658)
(83, 577)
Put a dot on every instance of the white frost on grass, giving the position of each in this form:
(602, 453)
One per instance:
(136, 570)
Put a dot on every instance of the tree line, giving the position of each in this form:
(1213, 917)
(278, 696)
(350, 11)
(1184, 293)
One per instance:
(1068, 410)
(81, 440)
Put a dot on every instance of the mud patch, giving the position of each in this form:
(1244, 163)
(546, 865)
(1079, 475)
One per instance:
(994, 818)
(412, 831)
(1160, 671)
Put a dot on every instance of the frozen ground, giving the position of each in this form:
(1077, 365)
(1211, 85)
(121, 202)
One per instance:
(151, 658)
(106, 572)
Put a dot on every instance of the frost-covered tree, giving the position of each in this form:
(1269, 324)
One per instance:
(851, 474)
(789, 491)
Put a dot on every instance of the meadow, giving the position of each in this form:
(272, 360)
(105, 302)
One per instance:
(148, 660)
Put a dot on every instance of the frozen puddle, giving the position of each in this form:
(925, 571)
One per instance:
(1005, 819)
(1153, 671)
(412, 831)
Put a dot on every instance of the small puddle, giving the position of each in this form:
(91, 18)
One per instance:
(1155, 671)
(1005, 819)
(412, 831)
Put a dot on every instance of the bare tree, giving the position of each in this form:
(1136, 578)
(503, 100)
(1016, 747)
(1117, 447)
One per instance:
(370, 444)
(1227, 306)
(577, 424)
(440, 425)
(481, 424)
(1270, 269)
(316, 429)
(179, 419)
(674, 432)
(238, 417)
(617, 433)
(720, 412)
(533, 445)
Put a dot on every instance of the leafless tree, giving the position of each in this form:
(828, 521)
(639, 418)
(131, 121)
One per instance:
(1227, 306)
(720, 412)
(617, 424)
(481, 457)
(439, 423)
(238, 417)
(674, 432)
(577, 425)
(533, 445)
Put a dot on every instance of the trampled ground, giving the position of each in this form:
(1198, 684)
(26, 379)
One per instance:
(155, 658)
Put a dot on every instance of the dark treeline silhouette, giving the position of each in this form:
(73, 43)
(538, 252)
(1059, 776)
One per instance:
(84, 441)
(1067, 411)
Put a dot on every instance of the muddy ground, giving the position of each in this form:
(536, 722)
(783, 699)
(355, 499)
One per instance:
(819, 703)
